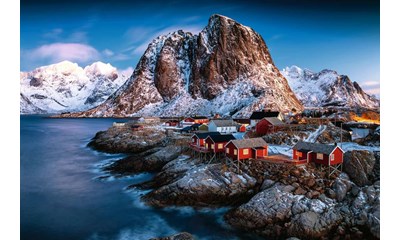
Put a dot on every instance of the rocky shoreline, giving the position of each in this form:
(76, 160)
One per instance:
(269, 199)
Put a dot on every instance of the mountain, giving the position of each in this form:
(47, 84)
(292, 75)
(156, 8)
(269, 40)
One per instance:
(65, 87)
(327, 88)
(225, 69)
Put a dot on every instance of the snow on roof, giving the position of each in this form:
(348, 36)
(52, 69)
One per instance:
(249, 143)
(314, 147)
(224, 123)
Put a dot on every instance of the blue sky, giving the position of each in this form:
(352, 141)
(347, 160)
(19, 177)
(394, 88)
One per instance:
(339, 35)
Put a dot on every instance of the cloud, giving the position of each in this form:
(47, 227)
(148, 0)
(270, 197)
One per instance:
(371, 87)
(370, 83)
(126, 72)
(108, 52)
(56, 52)
(54, 33)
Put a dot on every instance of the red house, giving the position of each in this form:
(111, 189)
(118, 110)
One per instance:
(200, 119)
(216, 143)
(172, 123)
(246, 148)
(198, 139)
(324, 154)
(242, 128)
(268, 125)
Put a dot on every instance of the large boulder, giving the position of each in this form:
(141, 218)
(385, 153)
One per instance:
(277, 212)
(124, 140)
(204, 186)
(359, 165)
(341, 186)
(178, 236)
(141, 163)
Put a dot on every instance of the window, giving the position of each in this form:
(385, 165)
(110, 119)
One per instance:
(332, 157)
(212, 146)
(245, 151)
(235, 152)
(227, 150)
(320, 156)
(194, 140)
(220, 145)
(206, 145)
(299, 154)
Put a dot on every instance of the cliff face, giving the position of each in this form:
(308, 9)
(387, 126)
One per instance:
(226, 69)
(327, 88)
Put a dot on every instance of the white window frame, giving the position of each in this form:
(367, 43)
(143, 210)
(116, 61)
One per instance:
(227, 150)
(245, 151)
(212, 145)
(235, 151)
(206, 145)
(220, 145)
(320, 156)
(332, 157)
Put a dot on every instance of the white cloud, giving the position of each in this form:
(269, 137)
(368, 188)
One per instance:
(108, 52)
(126, 72)
(370, 83)
(56, 52)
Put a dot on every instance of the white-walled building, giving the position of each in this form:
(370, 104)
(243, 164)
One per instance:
(222, 126)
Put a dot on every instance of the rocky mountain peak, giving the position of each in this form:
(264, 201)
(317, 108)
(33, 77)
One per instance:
(226, 69)
(327, 88)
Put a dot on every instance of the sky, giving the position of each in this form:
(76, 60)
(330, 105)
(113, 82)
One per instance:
(342, 35)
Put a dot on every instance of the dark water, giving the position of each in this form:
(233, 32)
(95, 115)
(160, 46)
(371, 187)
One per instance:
(63, 198)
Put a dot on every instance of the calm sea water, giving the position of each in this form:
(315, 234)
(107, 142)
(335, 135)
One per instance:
(62, 196)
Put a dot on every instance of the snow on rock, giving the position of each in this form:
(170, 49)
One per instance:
(65, 87)
(226, 69)
(327, 88)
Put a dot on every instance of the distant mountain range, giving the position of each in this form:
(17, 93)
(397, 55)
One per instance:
(66, 87)
(327, 88)
(225, 69)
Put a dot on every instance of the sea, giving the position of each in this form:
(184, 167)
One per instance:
(65, 194)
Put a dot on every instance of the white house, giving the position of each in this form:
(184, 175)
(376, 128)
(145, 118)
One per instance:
(222, 126)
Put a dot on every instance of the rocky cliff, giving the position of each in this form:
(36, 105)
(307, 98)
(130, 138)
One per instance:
(226, 69)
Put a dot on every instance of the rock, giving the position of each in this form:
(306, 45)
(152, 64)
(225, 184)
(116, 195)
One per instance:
(274, 213)
(139, 163)
(178, 236)
(359, 166)
(310, 224)
(310, 182)
(341, 186)
(300, 191)
(267, 183)
(125, 140)
(203, 186)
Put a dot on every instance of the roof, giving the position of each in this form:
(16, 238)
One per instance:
(224, 123)
(221, 138)
(314, 147)
(199, 117)
(189, 128)
(242, 120)
(206, 134)
(196, 125)
(274, 121)
(263, 114)
(249, 143)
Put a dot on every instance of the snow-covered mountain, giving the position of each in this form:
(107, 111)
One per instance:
(66, 87)
(327, 88)
(226, 69)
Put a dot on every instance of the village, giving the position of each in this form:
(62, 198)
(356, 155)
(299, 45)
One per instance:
(234, 141)
(308, 174)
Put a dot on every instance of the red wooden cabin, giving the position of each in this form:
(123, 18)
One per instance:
(216, 143)
(318, 153)
(172, 123)
(268, 125)
(198, 139)
(200, 119)
(246, 148)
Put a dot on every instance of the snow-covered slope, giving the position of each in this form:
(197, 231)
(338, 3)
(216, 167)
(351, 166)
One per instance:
(327, 88)
(65, 87)
(226, 69)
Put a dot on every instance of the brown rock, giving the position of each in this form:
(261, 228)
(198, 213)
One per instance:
(300, 191)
